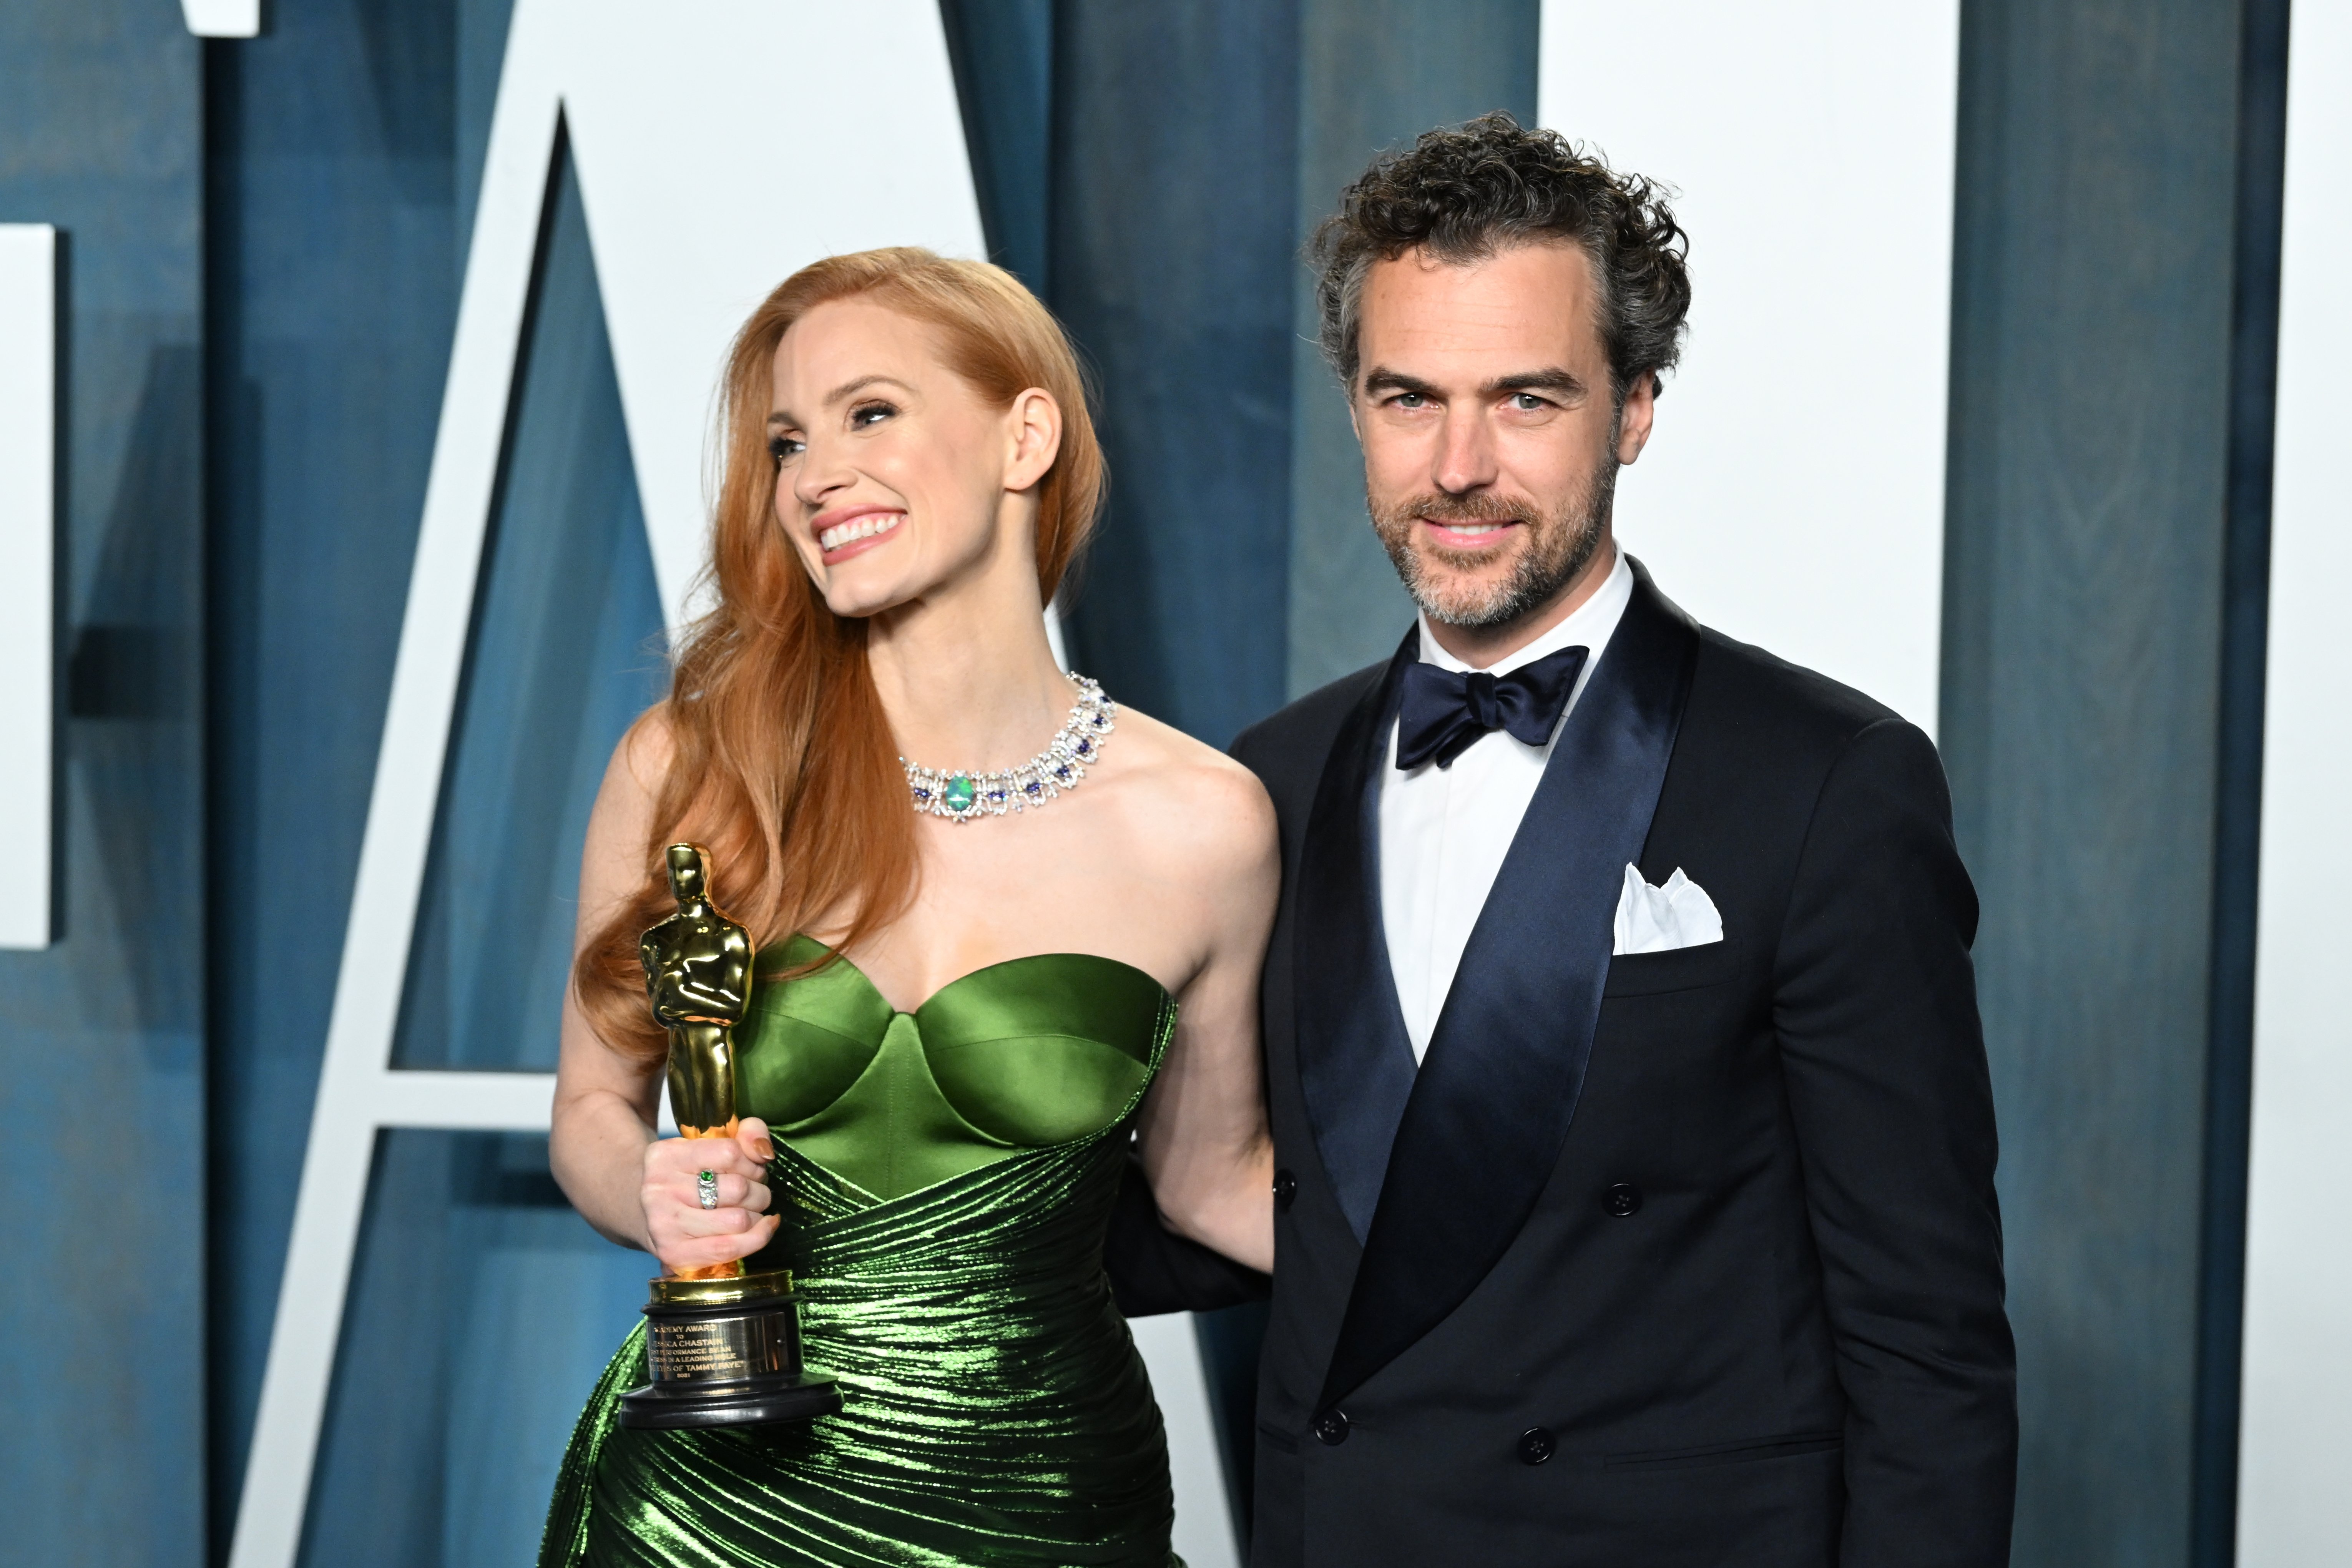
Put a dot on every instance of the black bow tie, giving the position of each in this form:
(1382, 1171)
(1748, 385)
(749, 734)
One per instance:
(1446, 711)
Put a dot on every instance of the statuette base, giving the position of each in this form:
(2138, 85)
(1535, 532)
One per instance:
(726, 1352)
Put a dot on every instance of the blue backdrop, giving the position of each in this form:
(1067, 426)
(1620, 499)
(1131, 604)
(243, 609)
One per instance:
(103, 1124)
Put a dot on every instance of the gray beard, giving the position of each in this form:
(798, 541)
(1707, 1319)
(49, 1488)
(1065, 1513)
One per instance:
(1561, 548)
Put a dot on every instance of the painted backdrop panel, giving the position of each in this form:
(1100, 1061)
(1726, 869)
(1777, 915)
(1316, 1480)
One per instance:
(102, 1069)
(2295, 1509)
(1793, 493)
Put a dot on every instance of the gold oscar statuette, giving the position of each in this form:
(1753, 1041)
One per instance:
(723, 1346)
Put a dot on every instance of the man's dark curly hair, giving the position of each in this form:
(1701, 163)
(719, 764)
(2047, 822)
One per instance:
(1462, 195)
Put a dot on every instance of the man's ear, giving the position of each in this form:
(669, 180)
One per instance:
(1636, 418)
(1034, 424)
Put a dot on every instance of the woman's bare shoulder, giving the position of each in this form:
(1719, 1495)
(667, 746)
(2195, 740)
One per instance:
(645, 748)
(1195, 804)
(623, 815)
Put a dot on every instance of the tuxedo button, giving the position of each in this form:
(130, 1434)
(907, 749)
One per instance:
(1537, 1444)
(1285, 1189)
(1622, 1200)
(1331, 1427)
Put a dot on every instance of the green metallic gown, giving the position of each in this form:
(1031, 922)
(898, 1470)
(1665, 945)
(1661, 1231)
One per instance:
(945, 1177)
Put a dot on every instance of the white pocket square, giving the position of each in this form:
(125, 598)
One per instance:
(1659, 920)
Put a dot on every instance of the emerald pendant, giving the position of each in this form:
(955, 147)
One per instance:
(960, 793)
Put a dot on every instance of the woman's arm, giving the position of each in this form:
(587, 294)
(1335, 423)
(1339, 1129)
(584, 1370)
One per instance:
(1202, 1135)
(635, 1188)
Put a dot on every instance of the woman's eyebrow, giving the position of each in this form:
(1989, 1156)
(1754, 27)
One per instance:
(841, 394)
(849, 389)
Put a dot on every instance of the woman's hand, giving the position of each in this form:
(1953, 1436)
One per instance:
(678, 1229)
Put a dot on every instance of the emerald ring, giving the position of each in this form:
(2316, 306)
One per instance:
(706, 1188)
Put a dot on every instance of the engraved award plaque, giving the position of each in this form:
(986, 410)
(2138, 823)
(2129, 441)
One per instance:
(723, 1346)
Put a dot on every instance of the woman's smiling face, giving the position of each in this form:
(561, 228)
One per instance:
(892, 472)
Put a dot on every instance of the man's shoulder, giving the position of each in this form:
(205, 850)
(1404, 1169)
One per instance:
(1290, 745)
(1758, 724)
(1762, 703)
(1783, 705)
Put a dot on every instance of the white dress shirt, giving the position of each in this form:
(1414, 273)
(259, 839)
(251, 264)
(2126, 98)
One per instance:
(1445, 831)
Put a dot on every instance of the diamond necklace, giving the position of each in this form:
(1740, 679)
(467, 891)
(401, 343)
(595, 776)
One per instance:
(961, 796)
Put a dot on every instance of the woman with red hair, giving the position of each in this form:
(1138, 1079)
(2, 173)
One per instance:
(975, 979)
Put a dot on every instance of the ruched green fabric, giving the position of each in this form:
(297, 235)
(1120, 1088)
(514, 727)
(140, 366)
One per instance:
(945, 1177)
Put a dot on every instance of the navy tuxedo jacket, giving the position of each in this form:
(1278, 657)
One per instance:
(1687, 1257)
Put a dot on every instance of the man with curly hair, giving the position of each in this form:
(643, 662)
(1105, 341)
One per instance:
(1636, 1148)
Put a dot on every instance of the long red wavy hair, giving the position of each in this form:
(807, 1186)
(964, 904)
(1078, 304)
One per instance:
(782, 759)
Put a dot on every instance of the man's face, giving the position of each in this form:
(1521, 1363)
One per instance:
(1491, 440)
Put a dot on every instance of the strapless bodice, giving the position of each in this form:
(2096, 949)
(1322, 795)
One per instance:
(1025, 1054)
(946, 1178)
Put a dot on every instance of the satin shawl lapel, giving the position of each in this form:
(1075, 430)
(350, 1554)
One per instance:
(1355, 1059)
(1483, 1128)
